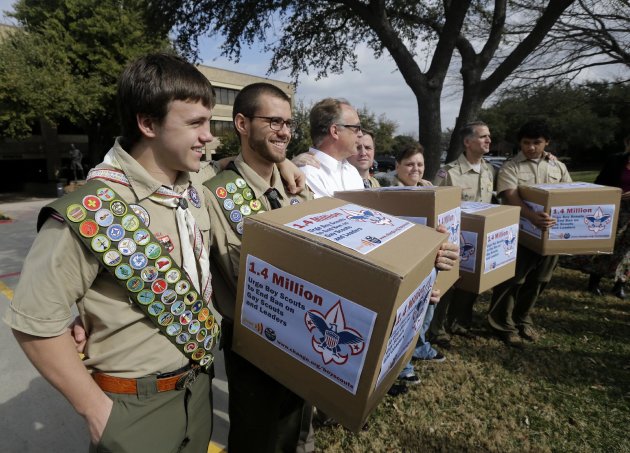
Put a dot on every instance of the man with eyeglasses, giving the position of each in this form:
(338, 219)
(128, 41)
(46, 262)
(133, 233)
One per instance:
(265, 416)
(336, 133)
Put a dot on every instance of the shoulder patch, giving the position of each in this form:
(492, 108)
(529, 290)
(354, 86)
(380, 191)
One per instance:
(442, 173)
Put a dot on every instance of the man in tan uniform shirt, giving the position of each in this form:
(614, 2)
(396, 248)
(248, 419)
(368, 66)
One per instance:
(164, 134)
(264, 415)
(475, 177)
(513, 300)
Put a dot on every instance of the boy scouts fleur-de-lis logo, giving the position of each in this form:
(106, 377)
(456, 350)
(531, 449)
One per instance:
(334, 340)
(453, 230)
(366, 215)
(466, 249)
(598, 221)
(508, 244)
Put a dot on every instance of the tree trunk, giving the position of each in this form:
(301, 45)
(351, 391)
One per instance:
(430, 128)
(468, 111)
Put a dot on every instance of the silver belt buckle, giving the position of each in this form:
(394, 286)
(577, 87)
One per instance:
(188, 378)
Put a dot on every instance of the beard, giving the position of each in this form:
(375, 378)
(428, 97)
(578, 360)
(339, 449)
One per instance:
(267, 151)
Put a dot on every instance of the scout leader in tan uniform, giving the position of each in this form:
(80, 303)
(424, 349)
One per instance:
(475, 177)
(135, 388)
(364, 159)
(265, 416)
(513, 300)
(410, 166)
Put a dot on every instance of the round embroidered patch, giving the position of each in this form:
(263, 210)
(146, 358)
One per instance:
(153, 250)
(163, 263)
(75, 213)
(145, 297)
(238, 198)
(92, 202)
(230, 187)
(130, 222)
(247, 193)
(165, 319)
(123, 271)
(194, 327)
(206, 360)
(100, 243)
(185, 318)
(209, 342)
(240, 227)
(196, 308)
(198, 354)
(156, 308)
(204, 313)
(221, 192)
(88, 228)
(127, 247)
(174, 329)
(159, 286)
(149, 274)
(115, 232)
(190, 346)
(112, 258)
(182, 338)
(142, 213)
(240, 183)
(228, 204)
(255, 205)
(191, 297)
(169, 296)
(105, 194)
(141, 236)
(135, 284)
(118, 208)
(235, 216)
(178, 308)
(245, 210)
(104, 217)
(193, 196)
(138, 261)
(173, 275)
(182, 287)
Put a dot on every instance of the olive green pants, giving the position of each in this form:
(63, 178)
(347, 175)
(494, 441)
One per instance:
(455, 309)
(165, 422)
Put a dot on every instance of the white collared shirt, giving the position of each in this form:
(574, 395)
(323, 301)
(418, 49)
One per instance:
(331, 176)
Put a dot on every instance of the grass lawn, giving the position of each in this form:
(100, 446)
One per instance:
(584, 175)
(570, 392)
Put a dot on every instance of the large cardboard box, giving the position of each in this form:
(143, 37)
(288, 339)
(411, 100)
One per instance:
(587, 217)
(487, 246)
(331, 300)
(430, 206)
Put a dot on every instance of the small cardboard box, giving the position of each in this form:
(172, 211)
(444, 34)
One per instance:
(331, 300)
(430, 206)
(586, 216)
(487, 246)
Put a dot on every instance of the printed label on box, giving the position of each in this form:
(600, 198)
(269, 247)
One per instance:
(567, 185)
(582, 222)
(409, 319)
(528, 227)
(470, 207)
(467, 251)
(500, 247)
(358, 228)
(452, 221)
(418, 220)
(323, 330)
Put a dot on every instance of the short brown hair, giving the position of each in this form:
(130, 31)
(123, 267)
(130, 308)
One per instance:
(323, 115)
(409, 150)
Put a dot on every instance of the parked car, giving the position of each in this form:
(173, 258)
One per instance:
(495, 161)
(385, 162)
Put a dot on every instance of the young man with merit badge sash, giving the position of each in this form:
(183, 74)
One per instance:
(513, 300)
(475, 176)
(265, 416)
(130, 249)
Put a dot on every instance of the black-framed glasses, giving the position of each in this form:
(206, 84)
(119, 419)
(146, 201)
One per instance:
(275, 122)
(356, 128)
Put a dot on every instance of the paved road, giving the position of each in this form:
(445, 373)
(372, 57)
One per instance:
(34, 417)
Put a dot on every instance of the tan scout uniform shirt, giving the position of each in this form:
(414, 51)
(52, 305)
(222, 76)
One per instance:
(521, 171)
(398, 183)
(475, 186)
(373, 182)
(60, 272)
(226, 244)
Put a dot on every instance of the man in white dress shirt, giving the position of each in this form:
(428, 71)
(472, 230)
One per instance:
(336, 133)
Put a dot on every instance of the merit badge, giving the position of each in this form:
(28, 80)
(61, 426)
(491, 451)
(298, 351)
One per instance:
(115, 232)
(228, 204)
(238, 198)
(197, 306)
(247, 193)
(194, 327)
(163, 263)
(126, 246)
(92, 203)
(173, 275)
(174, 329)
(135, 284)
(230, 187)
(190, 346)
(104, 217)
(182, 338)
(166, 242)
(130, 222)
(169, 296)
(156, 308)
(153, 250)
(141, 212)
(182, 287)
(145, 297)
(198, 354)
(255, 205)
(112, 258)
(178, 308)
(209, 342)
(214, 330)
(221, 192)
(235, 216)
(190, 297)
(185, 318)
(141, 237)
(100, 243)
(240, 183)
(159, 286)
(138, 261)
(118, 208)
(165, 319)
(209, 322)
(294, 201)
(88, 228)
(245, 209)
(239, 227)
(193, 196)
(105, 194)
(123, 271)
(75, 213)
(206, 360)
(149, 274)
(204, 313)
(201, 335)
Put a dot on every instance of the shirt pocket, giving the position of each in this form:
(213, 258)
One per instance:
(554, 175)
(526, 178)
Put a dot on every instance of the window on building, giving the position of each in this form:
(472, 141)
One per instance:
(220, 128)
(225, 96)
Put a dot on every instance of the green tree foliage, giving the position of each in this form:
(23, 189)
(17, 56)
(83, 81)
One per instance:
(588, 121)
(65, 58)
(301, 137)
(382, 128)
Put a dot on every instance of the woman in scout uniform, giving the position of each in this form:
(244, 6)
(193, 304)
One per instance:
(410, 167)
(125, 249)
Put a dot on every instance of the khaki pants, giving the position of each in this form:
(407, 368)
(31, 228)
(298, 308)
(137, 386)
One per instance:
(165, 422)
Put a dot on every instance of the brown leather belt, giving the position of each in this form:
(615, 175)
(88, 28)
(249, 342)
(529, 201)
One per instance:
(176, 380)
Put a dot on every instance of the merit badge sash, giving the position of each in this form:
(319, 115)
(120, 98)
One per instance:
(119, 239)
(235, 196)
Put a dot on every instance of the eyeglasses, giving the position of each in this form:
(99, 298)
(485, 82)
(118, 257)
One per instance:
(275, 122)
(354, 127)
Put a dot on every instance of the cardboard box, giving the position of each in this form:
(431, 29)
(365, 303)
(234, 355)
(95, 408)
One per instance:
(334, 320)
(430, 206)
(587, 217)
(488, 245)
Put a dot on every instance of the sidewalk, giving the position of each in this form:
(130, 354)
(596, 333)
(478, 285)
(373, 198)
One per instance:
(35, 417)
